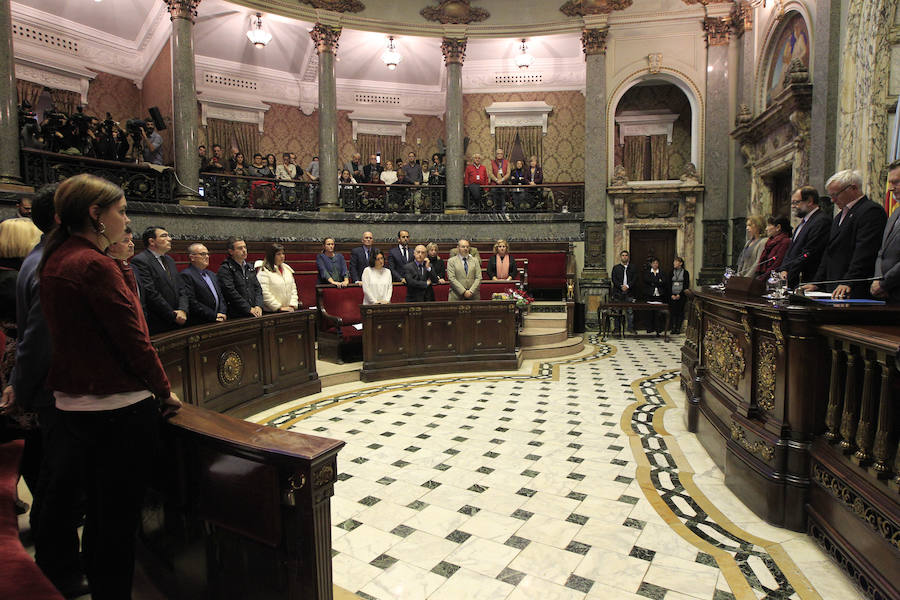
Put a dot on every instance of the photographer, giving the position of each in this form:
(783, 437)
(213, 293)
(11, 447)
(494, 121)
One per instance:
(151, 143)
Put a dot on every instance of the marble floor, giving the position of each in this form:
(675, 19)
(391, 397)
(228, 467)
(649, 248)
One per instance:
(571, 478)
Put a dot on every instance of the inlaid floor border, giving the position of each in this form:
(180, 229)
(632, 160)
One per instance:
(666, 478)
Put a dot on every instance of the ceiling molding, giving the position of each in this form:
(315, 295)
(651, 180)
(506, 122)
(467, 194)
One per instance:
(519, 114)
(233, 109)
(497, 76)
(379, 123)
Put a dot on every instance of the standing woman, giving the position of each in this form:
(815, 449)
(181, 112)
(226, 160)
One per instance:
(106, 377)
(501, 265)
(332, 266)
(678, 282)
(377, 282)
(276, 278)
(756, 241)
(437, 263)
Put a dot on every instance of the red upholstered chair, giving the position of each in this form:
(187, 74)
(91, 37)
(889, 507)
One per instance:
(441, 292)
(398, 294)
(546, 271)
(338, 312)
(20, 577)
(306, 286)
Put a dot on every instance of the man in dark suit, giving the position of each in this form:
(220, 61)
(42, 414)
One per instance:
(238, 282)
(419, 277)
(624, 281)
(167, 302)
(359, 257)
(887, 263)
(854, 240)
(205, 298)
(122, 251)
(810, 236)
(656, 289)
(400, 255)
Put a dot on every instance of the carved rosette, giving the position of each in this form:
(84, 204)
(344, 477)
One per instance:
(182, 9)
(341, 6)
(454, 12)
(766, 355)
(580, 8)
(231, 368)
(718, 30)
(454, 50)
(723, 355)
(593, 41)
(325, 37)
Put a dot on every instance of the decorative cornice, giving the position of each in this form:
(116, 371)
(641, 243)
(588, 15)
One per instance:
(325, 37)
(593, 41)
(580, 8)
(718, 31)
(454, 50)
(455, 12)
(182, 9)
(340, 6)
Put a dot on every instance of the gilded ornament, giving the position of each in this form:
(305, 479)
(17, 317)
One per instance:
(231, 368)
(593, 41)
(779, 336)
(723, 355)
(455, 12)
(182, 9)
(766, 356)
(340, 6)
(718, 30)
(325, 37)
(580, 8)
(745, 323)
(454, 50)
(323, 476)
(766, 452)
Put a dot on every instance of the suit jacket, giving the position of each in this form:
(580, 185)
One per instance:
(656, 282)
(887, 263)
(439, 267)
(396, 262)
(805, 253)
(33, 348)
(618, 278)
(163, 290)
(358, 262)
(417, 288)
(853, 246)
(204, 306)
(460, 281)
(492, 267)
(241, 288)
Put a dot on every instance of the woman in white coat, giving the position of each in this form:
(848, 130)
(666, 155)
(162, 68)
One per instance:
(277, 281)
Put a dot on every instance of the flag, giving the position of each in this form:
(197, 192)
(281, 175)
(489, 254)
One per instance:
(890, 202)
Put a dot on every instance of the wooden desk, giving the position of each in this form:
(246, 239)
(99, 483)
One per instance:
(423, 338)
(609, 310)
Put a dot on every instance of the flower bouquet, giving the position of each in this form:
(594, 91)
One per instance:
(522, 298)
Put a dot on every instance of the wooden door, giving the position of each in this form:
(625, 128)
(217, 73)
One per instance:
(659, 243)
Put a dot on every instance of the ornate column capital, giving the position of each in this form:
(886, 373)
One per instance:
(325, 37)
(454, 50)
(741, 17)
(593, 41)
(718, 30)
(182, 9)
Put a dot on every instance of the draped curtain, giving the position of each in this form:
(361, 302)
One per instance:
(634, 157)
(659, 157)
(244, 136)
(29, 91)
(504, 137)
(65, 101)
(390, 147)
(530, 138)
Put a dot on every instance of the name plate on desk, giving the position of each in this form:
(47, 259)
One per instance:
(744, 287)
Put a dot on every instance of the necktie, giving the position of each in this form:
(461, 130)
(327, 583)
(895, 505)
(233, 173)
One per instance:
(405, 257)
(162, 263)
(421, 269)
(367, 255)
(466, 265)
(844, 212)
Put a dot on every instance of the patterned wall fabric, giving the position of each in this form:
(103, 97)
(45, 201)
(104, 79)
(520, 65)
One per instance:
(115, 95)
(563, 145)
(157, 91)
(656, 97)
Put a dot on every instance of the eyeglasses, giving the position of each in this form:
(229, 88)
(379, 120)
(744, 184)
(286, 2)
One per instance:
(841, 191)
(199, 253)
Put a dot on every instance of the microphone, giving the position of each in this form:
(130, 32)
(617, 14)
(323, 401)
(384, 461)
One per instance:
(844, 281)
(768, 260)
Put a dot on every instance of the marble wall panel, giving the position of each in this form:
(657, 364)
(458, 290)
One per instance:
(156, 90)
(116, 95)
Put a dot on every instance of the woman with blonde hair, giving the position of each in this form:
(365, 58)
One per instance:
(276, 278)
(756, 242)
(502, 266)
(17, 238)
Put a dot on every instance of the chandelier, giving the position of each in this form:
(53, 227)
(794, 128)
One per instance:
(391, 57)
(258, 36)
(524, 60)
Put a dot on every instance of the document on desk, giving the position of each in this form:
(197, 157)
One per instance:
(815, 295)
(357, 326)
(655, 302)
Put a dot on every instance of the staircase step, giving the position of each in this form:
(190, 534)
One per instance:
(539, 336)
(544, 320)
(570, 346)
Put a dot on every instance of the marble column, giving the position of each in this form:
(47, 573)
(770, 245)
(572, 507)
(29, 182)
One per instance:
(716, 149)
(454, 50)
(9, 118)
(741, 65)
(826, 60)
(184, 101)
(325, 37)
(593, 42)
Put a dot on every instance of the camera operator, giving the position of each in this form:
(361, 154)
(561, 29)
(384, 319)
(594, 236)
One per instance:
(29, 130)
(58, 132)
(82, 136)
(111, 144)
(151, 143)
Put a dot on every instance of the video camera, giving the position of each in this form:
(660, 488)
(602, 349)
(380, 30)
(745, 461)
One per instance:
(27, 116)
(134, 127)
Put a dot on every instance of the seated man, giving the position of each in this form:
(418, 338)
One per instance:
(464, 273)
(419, 277)
(238, 282)
(855, 238)
(355, 166)
(370, 168)
(361, 256)
(624, 280)
(167, 302)
(205, 297)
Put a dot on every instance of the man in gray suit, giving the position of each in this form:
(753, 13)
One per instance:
(887, 263)
(464, 273)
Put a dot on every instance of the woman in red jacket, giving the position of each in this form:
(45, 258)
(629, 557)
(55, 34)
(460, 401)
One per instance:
(106, 377)
(779, 232)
